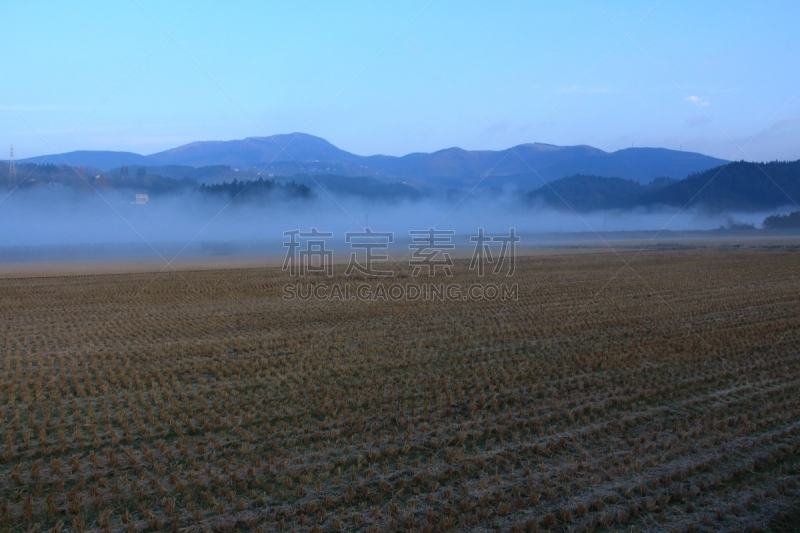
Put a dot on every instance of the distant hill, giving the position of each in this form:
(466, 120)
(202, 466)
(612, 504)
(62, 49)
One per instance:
(56, 178)
(529, 165)
(732, 187)
(523, 166)
(738, 186)
(212, 181)
(87, 158)
(593, 193)
(254, 151)
(588, 193)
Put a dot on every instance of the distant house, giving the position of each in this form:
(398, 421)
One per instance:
(141, 199)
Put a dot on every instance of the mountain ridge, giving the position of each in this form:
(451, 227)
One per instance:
(518, 166)
(735, 186)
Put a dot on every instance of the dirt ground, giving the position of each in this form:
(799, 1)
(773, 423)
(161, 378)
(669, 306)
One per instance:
(652, 390)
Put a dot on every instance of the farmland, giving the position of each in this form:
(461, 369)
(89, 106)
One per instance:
(660, 396)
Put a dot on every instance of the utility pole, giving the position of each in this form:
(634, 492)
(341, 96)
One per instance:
(12, 170)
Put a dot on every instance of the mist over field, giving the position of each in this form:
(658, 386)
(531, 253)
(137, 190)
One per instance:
(66, 218)
(226, 210)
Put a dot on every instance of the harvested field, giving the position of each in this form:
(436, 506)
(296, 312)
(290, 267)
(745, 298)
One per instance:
(661, 395)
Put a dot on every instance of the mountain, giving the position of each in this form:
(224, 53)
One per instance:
(588, 193)
(738, 186)
(732, 187)
(529, 165)
(254, 152)
(89, 158)
(523, 166)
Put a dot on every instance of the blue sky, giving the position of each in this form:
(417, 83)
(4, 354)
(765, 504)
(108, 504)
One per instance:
(716, 77)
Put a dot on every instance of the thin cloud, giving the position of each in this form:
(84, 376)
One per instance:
(696, 100)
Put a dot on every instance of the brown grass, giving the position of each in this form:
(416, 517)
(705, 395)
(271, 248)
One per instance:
(665, 398)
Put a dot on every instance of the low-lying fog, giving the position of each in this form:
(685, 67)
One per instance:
(65, 218)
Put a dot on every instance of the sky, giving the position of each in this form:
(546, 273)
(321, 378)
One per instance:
(717, 77)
